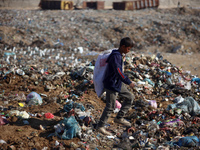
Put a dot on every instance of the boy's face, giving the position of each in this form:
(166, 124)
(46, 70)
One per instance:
(125, 49)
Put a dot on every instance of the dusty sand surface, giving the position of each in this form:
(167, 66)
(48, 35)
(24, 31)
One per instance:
(187, 62)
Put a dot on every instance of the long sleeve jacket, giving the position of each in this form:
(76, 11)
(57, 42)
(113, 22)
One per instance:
(114, 75)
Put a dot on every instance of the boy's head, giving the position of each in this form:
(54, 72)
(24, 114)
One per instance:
(127, 42)
(125, 45)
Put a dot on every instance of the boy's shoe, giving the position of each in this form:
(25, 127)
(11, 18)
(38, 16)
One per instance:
(122, 121)
(103, 131)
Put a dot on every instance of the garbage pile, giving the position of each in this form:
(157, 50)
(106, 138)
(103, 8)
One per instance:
(153, 125)
(47, 97)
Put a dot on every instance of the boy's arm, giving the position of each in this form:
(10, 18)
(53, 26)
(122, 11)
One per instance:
(116, 63)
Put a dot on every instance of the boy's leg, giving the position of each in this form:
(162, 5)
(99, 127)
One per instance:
(110, 106)
(127, 103)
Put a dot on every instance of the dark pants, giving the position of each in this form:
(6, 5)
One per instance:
(111, 97)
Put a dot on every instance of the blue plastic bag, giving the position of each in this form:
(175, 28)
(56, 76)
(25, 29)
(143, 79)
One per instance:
(196, 80)
(189, 105)
(70, 105)
(72, 128)
(188, 141)
(79, 106)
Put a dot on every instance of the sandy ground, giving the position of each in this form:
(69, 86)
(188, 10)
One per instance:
(187, 62)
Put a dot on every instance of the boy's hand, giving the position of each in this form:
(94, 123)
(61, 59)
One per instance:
(132, 85)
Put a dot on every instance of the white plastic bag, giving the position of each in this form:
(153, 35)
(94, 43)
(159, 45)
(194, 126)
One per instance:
(179, 99)
(99, 71)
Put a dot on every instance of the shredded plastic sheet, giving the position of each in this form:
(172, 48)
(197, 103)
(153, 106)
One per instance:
(188, 105)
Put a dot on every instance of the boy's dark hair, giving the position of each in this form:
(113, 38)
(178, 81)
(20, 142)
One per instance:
(127, 42)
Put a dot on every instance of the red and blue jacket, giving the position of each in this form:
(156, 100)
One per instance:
(114, 75)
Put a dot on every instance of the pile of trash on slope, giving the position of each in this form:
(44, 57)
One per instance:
(154, 125)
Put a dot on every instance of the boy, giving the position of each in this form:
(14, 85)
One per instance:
(114, 84)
